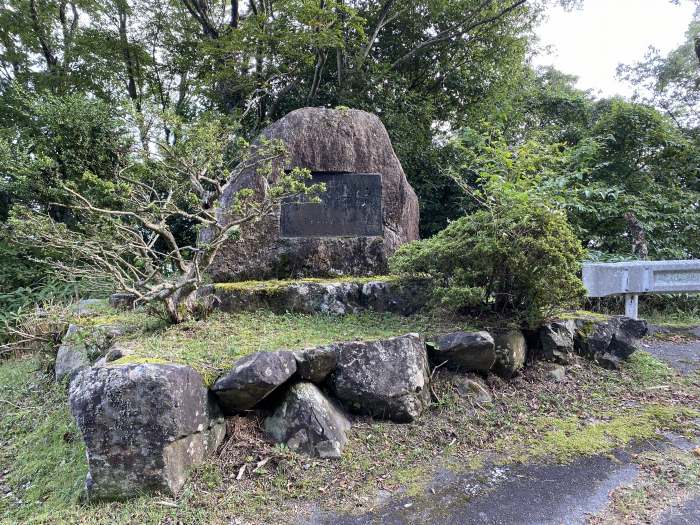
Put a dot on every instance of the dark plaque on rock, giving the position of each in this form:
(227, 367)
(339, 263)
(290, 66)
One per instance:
(351, 206)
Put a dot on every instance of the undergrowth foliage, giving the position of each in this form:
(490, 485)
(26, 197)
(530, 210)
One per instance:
(515, 255)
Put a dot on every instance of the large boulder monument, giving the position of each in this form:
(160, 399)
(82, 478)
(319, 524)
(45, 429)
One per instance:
(367, 211)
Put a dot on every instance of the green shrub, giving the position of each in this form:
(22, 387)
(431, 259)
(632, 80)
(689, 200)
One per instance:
(516, 255)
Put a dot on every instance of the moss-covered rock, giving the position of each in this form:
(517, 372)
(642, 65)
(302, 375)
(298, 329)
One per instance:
(387, 379)
(511, 353)
(80, 347)
(608, 341)
(307, 421)
(314, 296)
(144, 426)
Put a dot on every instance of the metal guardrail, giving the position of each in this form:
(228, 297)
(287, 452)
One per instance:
(634, 278)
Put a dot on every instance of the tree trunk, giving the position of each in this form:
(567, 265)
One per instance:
(635, 229)
(179, 304)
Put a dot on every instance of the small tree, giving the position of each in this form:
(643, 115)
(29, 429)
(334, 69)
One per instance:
(515, 255)
(138, 242)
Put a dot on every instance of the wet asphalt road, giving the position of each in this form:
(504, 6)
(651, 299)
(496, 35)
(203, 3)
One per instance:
(539, 494)
(684, 357)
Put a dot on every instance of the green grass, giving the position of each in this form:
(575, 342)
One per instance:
(592, 413)
(135, 320)
(39, 442)
(672, 311)
(673, 318)
(647, 370)
(214, 345)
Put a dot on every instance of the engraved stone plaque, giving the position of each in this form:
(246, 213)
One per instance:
(351, 206)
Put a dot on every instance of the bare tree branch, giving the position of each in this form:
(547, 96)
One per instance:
(460, 29)
(134, 244)
(381, 22)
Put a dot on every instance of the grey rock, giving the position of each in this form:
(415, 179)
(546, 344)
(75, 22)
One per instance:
(556, 372)
(402, 296)
(387, 379)
(81, 346)
(253, 378)
(592, 337)
(626, 336)
(122, 301)
(511, 353)
(475, 351)
(405, 297)
(87, 307)
(144, 426)
(604, 339)
(117, 351)
(69, 360)
(75, 352)
(473, 387)
(72, 333)
(556, 340)
(315, 364)
(322, 140)
(325, 298)
(307, 421)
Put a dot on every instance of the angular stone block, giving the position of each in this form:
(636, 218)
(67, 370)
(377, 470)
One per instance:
(387, 379)
(627, 334)
(144, 426)
(556, 339)
(511, 353)
(307, 421)
(472, 351)
(80, 346)
(253, 378)
(315, 364)
(608, 341)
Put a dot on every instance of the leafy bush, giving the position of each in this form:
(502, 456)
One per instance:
(516, 255)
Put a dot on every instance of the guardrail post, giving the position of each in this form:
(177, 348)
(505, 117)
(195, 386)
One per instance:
(632, 305)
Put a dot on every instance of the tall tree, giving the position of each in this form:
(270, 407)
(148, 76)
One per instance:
(670, 82)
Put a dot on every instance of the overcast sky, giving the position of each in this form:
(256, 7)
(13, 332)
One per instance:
(592, 41)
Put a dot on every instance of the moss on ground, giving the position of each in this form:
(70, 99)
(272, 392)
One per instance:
(566, 439)
(214, 345)
(276, 285)
(582, 314)
(666, 479)
(648, 370)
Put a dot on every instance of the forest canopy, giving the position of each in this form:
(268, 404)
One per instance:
(85, 86)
